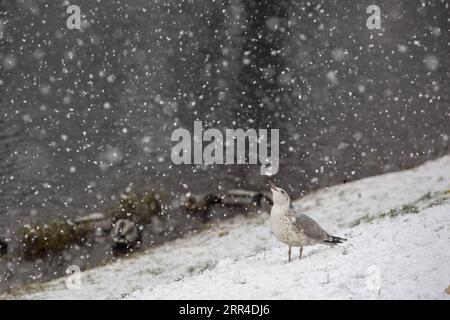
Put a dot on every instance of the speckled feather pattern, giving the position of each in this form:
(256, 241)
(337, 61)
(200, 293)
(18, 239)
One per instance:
(296, 230)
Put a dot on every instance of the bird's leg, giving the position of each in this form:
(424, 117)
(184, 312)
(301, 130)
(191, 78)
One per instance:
(301, 251)
(289, 253)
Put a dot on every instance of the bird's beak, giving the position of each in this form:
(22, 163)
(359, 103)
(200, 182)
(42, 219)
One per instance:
(272, 186)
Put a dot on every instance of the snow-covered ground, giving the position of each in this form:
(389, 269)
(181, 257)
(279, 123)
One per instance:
(398, 231)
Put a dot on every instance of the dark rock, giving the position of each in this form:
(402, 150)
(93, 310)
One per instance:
(126, 235)
(199, 206)
(245, 198)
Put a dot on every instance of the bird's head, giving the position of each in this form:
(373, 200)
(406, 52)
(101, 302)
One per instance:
(279, 196)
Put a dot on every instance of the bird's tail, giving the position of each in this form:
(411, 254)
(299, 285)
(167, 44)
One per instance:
(334, 240)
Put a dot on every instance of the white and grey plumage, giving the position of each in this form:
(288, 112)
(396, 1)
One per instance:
(295, 229)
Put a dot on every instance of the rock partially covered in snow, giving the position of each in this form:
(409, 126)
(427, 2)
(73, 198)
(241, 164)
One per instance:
(125, 235)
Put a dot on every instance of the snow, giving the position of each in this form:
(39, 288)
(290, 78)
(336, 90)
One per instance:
(407, 253)
(403, 254)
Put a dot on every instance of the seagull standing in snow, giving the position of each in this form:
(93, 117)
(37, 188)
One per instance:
(295, 229)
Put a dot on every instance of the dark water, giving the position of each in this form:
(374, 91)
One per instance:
(84, 115)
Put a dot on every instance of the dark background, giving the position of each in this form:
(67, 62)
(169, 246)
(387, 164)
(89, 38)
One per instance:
(86, 114)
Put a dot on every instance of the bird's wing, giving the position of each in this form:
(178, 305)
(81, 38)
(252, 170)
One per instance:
(309, 227)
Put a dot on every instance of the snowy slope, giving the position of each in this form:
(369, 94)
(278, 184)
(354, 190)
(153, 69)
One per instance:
(390, 254)
(406, 257)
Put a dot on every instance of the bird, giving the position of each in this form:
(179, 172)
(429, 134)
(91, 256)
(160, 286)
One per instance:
(295, 229)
